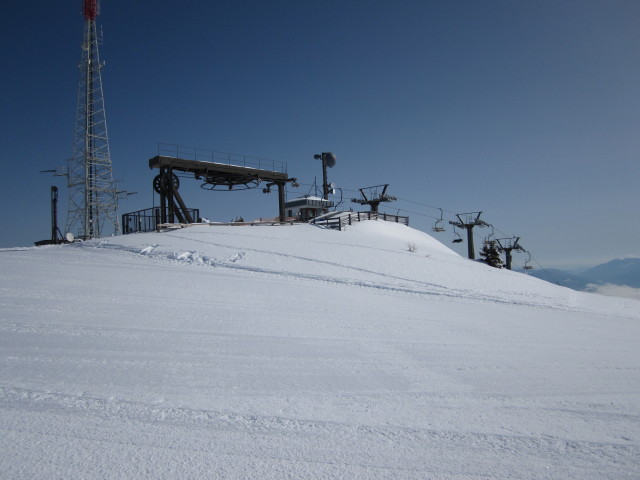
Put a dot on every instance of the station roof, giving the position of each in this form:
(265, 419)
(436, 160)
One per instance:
(221, 172)
(309, 202)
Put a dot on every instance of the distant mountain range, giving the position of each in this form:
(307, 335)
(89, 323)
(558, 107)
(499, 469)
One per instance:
(621, 271)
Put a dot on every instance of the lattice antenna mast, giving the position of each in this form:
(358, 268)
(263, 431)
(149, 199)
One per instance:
(92, 191)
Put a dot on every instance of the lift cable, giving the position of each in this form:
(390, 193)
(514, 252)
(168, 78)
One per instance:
(477, 236)
(413, 213)
(425, 205)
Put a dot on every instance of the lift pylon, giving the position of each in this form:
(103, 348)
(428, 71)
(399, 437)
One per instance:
(468, 221)
(507, 245)
(371, 197)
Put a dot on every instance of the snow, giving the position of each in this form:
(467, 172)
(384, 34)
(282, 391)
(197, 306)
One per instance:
(297, 352)
(614, 290)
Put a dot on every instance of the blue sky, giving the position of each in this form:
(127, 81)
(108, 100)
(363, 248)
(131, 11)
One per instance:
(526, 110)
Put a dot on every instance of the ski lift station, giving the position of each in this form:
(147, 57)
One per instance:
(224, 172)
(307, 207)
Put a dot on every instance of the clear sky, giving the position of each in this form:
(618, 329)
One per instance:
(526, 110)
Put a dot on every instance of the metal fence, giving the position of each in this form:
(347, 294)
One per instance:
(341, 219)
(226, 158)
(147, 220)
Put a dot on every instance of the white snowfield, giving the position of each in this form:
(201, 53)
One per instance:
(295, 352)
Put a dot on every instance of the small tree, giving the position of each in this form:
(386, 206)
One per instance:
(490, 254)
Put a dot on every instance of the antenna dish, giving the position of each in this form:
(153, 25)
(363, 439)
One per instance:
(330, 159)
(70, 237)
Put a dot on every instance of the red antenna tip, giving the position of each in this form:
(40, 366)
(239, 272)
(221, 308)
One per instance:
(90, 9)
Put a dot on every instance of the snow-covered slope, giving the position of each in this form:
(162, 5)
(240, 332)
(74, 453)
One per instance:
(298, 352)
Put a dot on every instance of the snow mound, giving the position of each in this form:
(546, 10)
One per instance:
(299, 352)
(376, 254)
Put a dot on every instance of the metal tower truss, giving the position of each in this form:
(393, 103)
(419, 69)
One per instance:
(92, 191)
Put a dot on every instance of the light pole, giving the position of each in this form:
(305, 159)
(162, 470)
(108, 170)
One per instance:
(328, 160)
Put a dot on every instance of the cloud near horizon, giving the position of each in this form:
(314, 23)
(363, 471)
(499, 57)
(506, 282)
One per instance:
(611, 290)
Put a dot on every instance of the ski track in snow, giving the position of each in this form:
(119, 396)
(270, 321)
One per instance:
(306, 445)
(123, 359)
(411, 286)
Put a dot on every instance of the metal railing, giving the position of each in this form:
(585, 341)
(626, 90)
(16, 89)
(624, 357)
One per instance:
(340, 220)
(225, 158)
(147, 220)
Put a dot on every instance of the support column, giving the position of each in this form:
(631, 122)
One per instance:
(163, 198)
(281, 202)
(507, 245)
(508, 259)
(54, 214)
(171, 197)
(472, 219)
(470, 247)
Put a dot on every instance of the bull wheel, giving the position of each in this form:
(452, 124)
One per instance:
(165, 183)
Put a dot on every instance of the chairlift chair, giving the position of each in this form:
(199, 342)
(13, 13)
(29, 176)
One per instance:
(526, 263)
(458, 238)
(438, 225)
(489, 238)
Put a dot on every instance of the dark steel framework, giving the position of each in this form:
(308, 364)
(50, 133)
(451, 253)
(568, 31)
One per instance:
(147, 220)
(214, 176)
(507, 245)
(371, 197)
(468, 221)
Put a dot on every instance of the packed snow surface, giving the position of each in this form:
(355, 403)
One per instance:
(299, 352)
